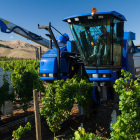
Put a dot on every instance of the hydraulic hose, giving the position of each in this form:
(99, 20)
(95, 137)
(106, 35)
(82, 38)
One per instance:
(94, 97)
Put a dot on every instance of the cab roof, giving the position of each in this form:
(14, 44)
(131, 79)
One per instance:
(110, 13)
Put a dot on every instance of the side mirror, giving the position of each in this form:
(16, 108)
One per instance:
(120, 27)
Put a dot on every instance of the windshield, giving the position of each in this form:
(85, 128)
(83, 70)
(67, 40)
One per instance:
(94, 41)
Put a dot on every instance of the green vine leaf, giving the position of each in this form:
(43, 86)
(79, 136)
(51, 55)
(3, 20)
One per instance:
(127, 126)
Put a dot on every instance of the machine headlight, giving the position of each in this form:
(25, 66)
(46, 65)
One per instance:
(51, 75)
(104, 75)
(44, 75)
(95, 75)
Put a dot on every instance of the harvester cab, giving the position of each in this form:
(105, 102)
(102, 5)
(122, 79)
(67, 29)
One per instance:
(99, 39)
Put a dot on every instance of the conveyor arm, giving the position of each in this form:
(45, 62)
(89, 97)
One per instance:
(4, 25)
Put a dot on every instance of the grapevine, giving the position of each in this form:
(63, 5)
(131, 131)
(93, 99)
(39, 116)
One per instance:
(127, 126)
(60, 97)
(24, 79)
(81, 134)
(4, 91)
(17, 134)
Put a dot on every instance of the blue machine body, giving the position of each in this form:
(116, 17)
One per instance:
(127, 37)
(102, 75)
(48, 64)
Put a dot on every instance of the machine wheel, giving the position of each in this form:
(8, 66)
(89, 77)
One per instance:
(107, 114)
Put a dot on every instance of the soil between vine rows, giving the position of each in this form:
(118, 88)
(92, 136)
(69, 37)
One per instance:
(67, 128)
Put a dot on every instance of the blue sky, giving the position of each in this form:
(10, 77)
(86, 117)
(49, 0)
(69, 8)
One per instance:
(29, 13)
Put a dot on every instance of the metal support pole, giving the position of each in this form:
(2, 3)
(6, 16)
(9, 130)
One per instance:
(58, 51)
